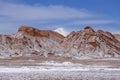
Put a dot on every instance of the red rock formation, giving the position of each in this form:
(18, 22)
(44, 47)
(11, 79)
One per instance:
(40, 33)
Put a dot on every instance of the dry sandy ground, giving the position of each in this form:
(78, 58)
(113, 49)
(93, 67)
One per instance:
(64, 73)
(57, 68)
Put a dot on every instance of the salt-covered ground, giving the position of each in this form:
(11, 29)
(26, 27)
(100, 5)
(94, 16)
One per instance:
(51, 70)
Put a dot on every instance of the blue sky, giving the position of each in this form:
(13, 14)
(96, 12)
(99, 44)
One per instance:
(56, 14)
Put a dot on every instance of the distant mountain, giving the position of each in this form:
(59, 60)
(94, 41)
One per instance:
(29, 41)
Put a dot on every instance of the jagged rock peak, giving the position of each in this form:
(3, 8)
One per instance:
(89, 31)
(89, 28)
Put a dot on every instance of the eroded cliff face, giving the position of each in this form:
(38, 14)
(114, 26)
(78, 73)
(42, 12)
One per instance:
(30, 41)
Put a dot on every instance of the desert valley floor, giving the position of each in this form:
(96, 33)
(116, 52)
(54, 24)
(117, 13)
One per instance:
(59, 68)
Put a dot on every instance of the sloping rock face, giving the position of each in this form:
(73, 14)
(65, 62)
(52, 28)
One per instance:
(117, 36)
(90, 43)
(29, 41)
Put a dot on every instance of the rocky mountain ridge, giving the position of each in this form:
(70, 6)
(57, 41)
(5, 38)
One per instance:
(92, 43)
(29, 41)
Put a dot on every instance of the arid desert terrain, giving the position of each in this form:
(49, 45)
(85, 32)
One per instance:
(57, 68)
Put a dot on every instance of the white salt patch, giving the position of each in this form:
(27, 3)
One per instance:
(53, 68)
(59, 64)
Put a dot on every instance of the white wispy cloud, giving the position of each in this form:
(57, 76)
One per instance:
(28, 12)
(91, 21)
(62, 31)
